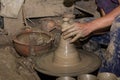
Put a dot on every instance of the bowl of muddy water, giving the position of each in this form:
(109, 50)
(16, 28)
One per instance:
(33, 43)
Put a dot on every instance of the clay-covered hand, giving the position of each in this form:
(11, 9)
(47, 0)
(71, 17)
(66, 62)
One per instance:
(77, 30)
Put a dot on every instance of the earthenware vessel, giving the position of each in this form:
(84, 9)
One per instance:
(32, 43)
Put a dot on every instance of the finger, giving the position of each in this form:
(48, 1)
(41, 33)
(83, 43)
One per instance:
(71, 34)
(76, 37)
(67, 28)
(69, 31)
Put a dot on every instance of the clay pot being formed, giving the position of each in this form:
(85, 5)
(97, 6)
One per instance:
(32, 43)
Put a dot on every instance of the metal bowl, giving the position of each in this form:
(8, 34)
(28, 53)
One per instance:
(65, 78)
(86, 77)
(32, 43)
(106, 76)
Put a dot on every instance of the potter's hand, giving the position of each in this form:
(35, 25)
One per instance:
(77, 30)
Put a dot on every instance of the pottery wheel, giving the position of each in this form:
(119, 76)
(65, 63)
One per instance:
(89, 63)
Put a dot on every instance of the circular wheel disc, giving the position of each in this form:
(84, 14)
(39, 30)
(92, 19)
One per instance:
(89, 63)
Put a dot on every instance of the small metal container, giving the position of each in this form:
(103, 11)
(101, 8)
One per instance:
(86, 77)
(65, 78)
(106, 76)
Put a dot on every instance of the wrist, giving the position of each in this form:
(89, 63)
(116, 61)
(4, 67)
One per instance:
(92, 26)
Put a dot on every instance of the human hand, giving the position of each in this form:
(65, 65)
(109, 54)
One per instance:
(77, 30)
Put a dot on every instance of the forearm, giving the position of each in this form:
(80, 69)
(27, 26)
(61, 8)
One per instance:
(106, 20)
